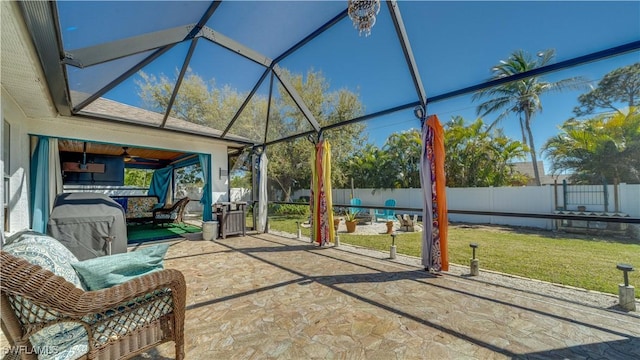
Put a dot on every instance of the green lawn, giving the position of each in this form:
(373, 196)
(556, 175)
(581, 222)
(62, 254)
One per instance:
(582, 261)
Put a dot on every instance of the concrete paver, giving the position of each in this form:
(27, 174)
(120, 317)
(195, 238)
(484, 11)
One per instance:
(265, 296)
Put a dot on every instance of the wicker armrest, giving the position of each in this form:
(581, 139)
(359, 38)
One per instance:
(161, 210)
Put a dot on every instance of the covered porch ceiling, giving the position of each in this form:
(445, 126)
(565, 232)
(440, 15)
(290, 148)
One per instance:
(253, 57)
(136, 157)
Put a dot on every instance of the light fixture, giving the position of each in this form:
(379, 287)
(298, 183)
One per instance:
(418, 111)
(363, 14)
(222, 173)
(125, 155)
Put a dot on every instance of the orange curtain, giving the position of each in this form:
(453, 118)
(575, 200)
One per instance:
(434, 213)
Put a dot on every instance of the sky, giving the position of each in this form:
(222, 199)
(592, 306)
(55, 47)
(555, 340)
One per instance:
(455, 44)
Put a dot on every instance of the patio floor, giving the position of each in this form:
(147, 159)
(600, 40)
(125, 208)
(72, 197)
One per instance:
(266, 296)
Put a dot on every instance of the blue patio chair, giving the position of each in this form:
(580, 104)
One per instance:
(355, 201)
(387, 214)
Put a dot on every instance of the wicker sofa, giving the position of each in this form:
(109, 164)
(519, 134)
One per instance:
(46, 313)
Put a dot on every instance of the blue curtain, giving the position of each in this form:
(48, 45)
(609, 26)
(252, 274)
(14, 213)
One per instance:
(39, 181)
(206, 200)
(160, 183)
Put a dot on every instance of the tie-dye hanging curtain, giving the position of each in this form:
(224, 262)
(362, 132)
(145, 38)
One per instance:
(321, 203)
(433, 181)
(261, 220)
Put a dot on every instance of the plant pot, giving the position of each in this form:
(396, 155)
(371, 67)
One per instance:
(389, 227)
(351, 226)
(336, 223)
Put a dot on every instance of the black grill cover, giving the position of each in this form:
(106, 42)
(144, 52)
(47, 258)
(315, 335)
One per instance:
(82, 221)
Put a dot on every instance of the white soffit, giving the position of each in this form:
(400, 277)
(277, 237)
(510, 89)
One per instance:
(21, 75)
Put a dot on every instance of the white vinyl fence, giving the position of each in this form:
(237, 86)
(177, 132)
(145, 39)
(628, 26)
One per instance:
(526, 199)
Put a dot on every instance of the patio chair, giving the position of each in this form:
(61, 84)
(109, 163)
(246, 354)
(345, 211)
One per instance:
(386, 214)
(171, 214)
(46, 313)
(355, 201)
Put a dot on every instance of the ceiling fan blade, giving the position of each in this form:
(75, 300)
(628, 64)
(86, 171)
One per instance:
(126, 156)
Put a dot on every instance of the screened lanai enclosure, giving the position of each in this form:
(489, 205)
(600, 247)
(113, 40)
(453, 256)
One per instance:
(144, 62)
(245, 76)
(294, 93)
(250, 74)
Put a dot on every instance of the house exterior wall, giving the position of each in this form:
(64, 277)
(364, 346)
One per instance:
(93, 130)
(18, 191)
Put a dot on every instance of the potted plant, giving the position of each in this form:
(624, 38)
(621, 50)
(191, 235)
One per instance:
(389, 227)
(350, 220)
(336, 222)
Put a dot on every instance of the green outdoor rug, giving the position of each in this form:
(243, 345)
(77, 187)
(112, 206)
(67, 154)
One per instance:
(147, 232)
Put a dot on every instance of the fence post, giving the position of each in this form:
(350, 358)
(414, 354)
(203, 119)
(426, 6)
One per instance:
(555, 194)
(616, 201)
(564, 194)
(606, 194)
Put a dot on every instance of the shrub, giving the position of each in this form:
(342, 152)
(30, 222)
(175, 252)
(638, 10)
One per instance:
(290, 209)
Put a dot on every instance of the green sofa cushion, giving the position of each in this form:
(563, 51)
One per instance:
(107, 271)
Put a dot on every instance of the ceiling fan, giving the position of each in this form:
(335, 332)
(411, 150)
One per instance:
(126, 156)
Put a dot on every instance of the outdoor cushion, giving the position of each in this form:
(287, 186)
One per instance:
(167, 216)
(140, 207)
(107, 271)
(43, 250)
(61, 341)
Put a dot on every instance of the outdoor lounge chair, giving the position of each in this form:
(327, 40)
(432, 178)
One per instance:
(47, 313)
(386, 214)
(172, 214)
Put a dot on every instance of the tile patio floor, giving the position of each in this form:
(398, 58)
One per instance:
(265, 296)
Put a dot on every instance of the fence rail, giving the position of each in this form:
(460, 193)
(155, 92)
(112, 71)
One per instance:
(610, 219)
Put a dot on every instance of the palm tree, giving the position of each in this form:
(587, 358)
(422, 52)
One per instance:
(522, 97)
(604, 147)
(368, 168)
(477, 157)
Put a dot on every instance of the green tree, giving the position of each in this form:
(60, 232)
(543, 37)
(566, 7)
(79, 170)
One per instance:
(618, 89)
(403, 151)
(138, 177)
(478, 156)
(205, 103)
(289, 161)
(604, 147)
(368, 168)
(240, 179)
(190, 175)
(521, 97)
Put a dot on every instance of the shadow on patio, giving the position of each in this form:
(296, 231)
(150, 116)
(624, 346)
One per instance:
(266, 296)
